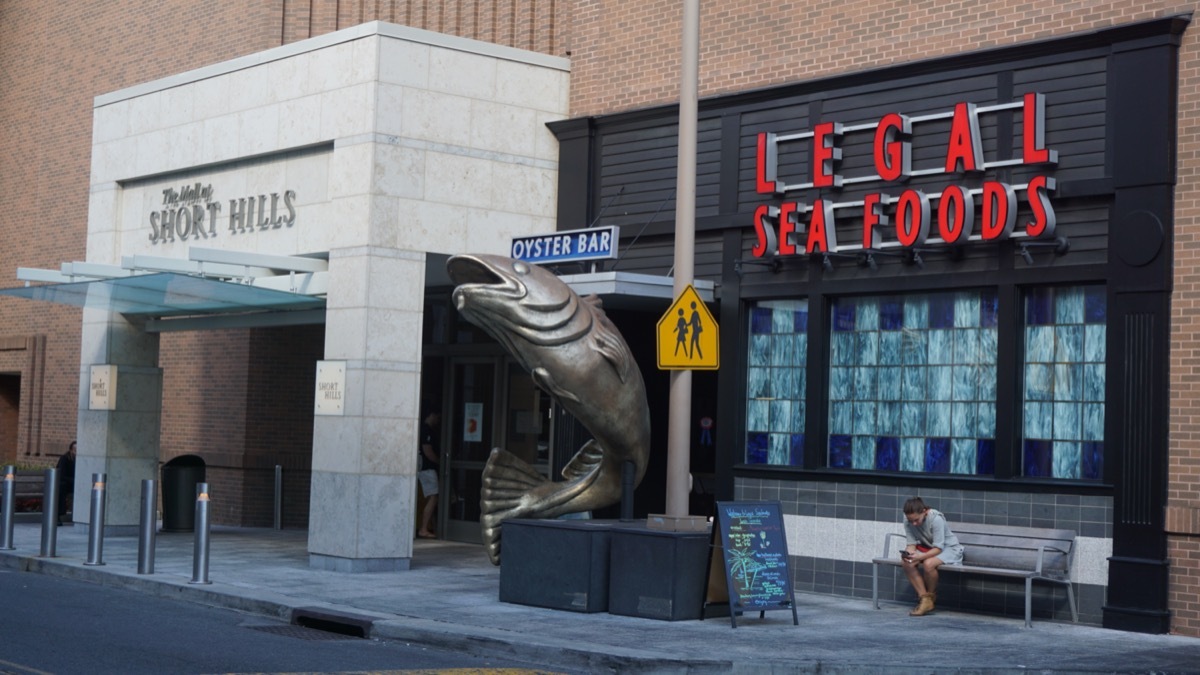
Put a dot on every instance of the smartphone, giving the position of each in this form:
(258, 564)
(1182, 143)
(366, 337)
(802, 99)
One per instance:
(904, 553)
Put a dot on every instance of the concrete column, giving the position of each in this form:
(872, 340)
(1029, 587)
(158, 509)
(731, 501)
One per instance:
(362, 506)
(121, 442)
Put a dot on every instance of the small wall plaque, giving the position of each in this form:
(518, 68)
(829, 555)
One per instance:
(331, 388)
(102, 388)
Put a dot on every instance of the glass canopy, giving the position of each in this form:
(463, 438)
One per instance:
(167, 294)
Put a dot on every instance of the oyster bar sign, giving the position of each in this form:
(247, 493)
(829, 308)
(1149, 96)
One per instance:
(780, 230)
(192, 212)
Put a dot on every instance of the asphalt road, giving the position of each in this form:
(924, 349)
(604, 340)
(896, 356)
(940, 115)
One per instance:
(52, 625)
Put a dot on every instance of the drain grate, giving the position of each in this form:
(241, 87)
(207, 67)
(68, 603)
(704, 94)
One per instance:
(304, 632)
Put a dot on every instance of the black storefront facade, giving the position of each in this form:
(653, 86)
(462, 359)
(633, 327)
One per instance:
(949, 278)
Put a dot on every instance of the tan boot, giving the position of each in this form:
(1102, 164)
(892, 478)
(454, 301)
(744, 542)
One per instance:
(924, 607)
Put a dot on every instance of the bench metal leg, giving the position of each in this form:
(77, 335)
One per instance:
(1071, 599)
(875, 584)
(1028, 598)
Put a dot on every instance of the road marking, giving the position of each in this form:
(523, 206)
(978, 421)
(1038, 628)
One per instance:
(23, 669)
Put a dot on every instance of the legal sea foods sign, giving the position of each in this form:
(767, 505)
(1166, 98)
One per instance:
(193, 211)
(794, 226)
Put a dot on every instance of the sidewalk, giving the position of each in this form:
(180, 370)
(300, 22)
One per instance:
(449, 600)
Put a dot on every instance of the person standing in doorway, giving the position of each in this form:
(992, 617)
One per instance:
(66, 481)
(931, 544)
(428, 473)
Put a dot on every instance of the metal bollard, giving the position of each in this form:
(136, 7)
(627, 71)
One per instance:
(96, 524)
(200, 550)
(50, 514)
(149, 526)
(10, 505)
(278, 497)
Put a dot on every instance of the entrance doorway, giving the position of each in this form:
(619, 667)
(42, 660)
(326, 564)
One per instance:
(490, 402)
(10, 415)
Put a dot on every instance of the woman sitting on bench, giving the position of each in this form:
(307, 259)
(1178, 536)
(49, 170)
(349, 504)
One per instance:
(931, 544)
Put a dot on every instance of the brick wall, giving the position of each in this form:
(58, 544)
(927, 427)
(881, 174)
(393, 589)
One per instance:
(1183, 498)
(626, 54)
(535, 25)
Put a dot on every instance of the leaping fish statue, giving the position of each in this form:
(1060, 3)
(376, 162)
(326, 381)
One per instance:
(576, 355)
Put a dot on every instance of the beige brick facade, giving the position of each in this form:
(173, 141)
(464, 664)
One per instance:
(56, 57)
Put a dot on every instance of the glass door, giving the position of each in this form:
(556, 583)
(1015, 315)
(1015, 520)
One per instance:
(492, 403)
(470, 436)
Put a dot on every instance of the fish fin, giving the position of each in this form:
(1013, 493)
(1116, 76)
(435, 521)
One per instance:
(514, 489)
(546, 381)
(606, 340)
(507, 479)
(585, 461)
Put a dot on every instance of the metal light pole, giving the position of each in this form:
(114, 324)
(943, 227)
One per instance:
(678, 425)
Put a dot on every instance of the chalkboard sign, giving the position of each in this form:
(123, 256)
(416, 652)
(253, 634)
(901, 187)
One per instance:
(754, 549)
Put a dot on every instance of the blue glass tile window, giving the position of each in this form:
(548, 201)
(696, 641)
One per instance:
(1063, 382)
(777, 355)
(912, 383)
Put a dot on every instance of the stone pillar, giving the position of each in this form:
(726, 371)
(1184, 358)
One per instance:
(121, 442)
(363, 501)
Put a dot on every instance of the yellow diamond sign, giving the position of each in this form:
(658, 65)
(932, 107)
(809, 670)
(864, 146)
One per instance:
(688, 336)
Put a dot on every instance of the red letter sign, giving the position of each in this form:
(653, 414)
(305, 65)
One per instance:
(767, 165)
(764, 233)
(893, 147)
(965, 144)
(873, 216)
(956, 214)
(1038, 194)
(821, 232)
(912, 218)
(999, 211)
(1034, 122)
(787, 227)
(825, 152)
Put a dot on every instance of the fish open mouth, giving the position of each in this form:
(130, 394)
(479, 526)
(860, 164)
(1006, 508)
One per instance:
(472, 273)
(465, 269)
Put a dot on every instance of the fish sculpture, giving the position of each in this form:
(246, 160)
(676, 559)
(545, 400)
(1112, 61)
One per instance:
(578, 357)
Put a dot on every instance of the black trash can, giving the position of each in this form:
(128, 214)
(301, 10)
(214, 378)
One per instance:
(179, 479)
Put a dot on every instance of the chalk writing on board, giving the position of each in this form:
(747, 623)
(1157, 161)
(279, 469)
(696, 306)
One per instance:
(756, 555)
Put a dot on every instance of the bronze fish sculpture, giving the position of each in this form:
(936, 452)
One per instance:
(578, 357)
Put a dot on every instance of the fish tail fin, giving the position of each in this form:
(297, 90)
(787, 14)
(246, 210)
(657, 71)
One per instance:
(507, 481)
(514, 489)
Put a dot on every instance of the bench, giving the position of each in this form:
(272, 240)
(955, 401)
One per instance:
(1029, 553)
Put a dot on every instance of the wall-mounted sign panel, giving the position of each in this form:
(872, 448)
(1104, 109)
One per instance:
(102, 388)
(331, 388)
(597, 243)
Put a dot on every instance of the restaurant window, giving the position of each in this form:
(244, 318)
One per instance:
(775, 382)
(912, 383)
(1064, 374)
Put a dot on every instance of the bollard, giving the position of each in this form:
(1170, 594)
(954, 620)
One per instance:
(50, 514)
(149, 522)
(278, 497)
(96, 524)
(10, 505)
(200, 550)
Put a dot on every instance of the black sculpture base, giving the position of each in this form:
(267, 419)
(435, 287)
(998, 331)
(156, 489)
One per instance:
(558, 564)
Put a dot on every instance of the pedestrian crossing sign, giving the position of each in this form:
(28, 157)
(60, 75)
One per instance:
(688, 338)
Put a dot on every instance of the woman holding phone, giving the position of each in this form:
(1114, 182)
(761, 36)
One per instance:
(930, 544)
